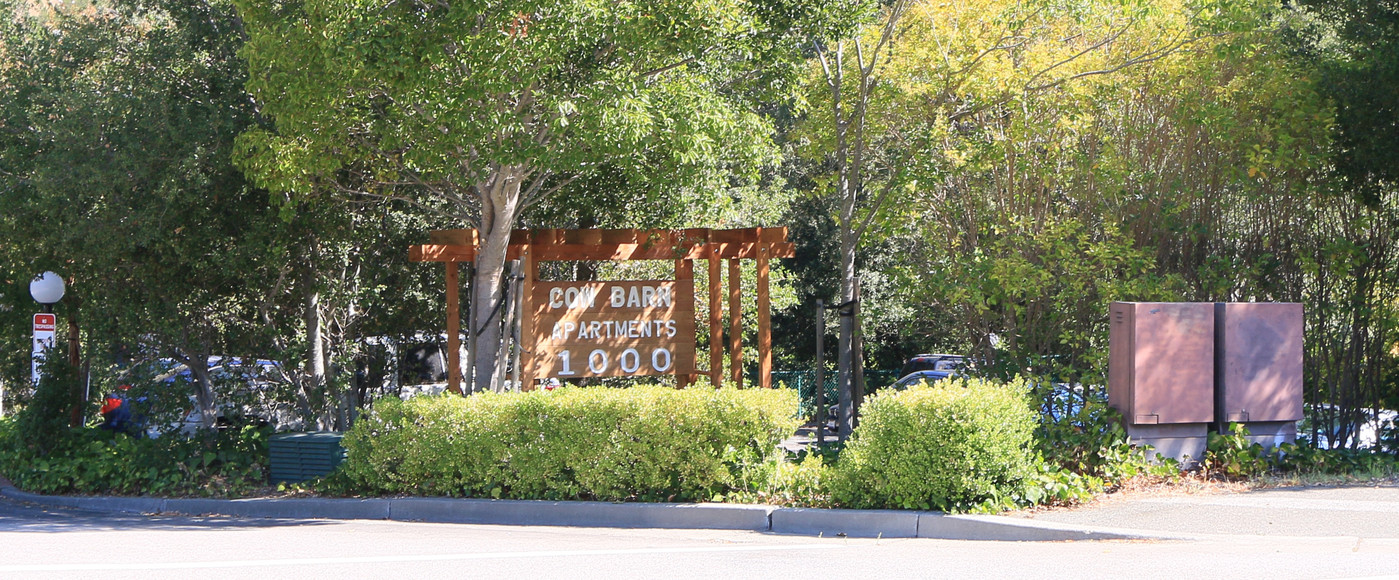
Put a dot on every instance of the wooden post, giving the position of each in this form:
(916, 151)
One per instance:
(524, 363)
(764, 321)
(857, 358)
(469, 372)
(820, 393)
(735, 325)
(684, 274)
(453, 329)
(716, 321)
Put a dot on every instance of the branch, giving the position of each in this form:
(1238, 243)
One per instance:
(874, 207)
(1146, 58)
(886, 36)
(538, 195)
(1090, 48)
(378, 196)
(825, 66)
(657, 71)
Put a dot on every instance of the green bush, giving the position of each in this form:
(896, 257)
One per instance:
(93, 461)
(1233, 456)
(1092, 443)
(42, 424)
(1304, 459)
(950, 446)
(802, 481)
(643, 443)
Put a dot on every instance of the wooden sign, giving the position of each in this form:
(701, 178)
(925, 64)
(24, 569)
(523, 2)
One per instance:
(613, 329)
(632, 339)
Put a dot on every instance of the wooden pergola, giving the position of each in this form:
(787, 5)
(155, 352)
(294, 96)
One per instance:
(684, 247)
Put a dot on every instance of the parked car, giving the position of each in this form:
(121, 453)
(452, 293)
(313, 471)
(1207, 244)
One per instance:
(246, 395)
(933, 362)
(928, 368)
(916, 377)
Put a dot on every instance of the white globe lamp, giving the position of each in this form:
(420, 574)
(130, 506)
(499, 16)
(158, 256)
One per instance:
(47, 288)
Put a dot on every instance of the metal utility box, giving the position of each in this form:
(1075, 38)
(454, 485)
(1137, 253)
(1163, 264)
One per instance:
(1258, 369)
(1161, 362)
(1161, 373)
(297, 457)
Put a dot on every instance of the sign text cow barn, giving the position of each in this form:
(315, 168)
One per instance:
(611, 329)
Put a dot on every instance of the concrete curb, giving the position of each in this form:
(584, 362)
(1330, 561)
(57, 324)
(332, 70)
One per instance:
(580, 513)
(1008, 529)
(849, 523)
(760, 518)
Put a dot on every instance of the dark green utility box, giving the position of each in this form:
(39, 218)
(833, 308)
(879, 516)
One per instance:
(297, 457)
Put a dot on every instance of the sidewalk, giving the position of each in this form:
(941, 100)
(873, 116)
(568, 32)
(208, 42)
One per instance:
(1352, 511)
(760, 518)
(1365, 512)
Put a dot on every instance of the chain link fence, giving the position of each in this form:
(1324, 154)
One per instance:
(804, 382)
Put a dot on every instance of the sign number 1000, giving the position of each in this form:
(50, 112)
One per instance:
(630, 361)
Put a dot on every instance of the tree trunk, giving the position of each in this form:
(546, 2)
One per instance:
(198, 365)
(846, 359)
(315, 356)
(500, 201)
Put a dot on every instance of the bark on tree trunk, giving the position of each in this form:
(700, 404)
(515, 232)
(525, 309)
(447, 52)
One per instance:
(500, 201)
(198, 365)
(315, 351)
(846, 361)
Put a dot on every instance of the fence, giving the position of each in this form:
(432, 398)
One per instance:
(805, 384)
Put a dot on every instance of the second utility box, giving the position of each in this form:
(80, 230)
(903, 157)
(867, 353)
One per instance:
(1258, 369)
(1161, 374)
(297, 457)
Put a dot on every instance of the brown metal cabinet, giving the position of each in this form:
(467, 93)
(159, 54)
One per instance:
(1161, 367)
(1258, 368)
(1161, 373)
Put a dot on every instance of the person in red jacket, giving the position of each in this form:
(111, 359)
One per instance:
(116, 412)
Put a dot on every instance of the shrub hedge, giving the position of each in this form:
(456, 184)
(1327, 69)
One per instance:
(949, 446)
(643, 443)
(223, 463)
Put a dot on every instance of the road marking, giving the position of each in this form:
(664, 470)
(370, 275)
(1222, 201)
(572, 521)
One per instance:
(395, 559)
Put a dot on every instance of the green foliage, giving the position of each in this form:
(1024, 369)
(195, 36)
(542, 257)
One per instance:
(1233, 456)
(1353, 46)
(1050, 485)
(1302, 459)
(115, 169)
(801, 481)
(948, 446)
(1042, 285)
(225, 463)
(643, 443)
(1091, 442)
(42, 424)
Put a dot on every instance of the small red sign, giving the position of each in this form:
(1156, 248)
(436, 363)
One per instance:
(44, 322)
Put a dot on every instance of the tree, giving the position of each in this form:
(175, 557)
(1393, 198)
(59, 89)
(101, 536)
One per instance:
(115, 147)
(918, 71)
(1354, 46)
(117, 171)
(1347, 263)
(477, 111)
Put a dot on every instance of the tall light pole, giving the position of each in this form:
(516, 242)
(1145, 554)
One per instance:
(47, 289)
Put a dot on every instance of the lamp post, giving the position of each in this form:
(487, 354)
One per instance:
(47, 289)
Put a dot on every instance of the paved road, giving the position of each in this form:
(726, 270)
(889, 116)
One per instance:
(54, 543)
